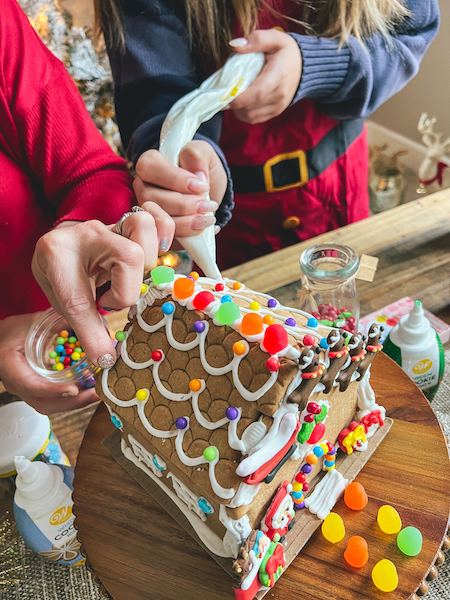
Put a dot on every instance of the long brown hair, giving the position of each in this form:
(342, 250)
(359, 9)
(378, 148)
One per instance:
(211, 22)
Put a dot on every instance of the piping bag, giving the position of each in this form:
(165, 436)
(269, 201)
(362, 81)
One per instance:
(182, 122)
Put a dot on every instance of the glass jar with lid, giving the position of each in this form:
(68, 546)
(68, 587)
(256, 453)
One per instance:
(328, 287)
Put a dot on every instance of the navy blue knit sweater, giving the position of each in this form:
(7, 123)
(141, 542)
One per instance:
(157, 68)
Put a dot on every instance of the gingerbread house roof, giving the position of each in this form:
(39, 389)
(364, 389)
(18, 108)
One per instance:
(194, 385)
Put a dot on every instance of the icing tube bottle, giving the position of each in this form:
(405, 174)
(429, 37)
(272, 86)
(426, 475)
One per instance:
(43, 511)
(417, 348)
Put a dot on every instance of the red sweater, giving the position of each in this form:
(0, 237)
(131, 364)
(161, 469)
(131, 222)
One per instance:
(54, 164)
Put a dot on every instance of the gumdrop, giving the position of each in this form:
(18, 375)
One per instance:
(409, 541)
(162, 274)
(385, 576)
(183, 288)
(252, 324)
(202, 300)
(355, 496)
(357, 552)
(333, 528)
(388, 519)
(227, 314)
(275, 339)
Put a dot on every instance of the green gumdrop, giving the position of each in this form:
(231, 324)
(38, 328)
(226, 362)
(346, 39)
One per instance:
(326, 322)
(346, 314)
(162, 274)
(322, 415)
(409, 541)
(227, 314)
(305, 432)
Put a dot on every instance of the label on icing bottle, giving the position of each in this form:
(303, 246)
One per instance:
(416, 347)
(43, 511)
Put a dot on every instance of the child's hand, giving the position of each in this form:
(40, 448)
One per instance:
(274, 88)
(183, 191)
(19, 379)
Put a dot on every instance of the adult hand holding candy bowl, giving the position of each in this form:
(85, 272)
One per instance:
(74, 259)
(21, 380)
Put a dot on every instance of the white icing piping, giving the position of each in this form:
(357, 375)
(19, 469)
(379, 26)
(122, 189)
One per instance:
(207, 536)
(326, 493)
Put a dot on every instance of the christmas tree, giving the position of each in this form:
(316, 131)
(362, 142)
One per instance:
(87, 64)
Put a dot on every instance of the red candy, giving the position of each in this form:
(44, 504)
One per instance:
(202, 299)
(305, 487)
(309, 418)
(300, 478)
(219, 287)
(272, 365)
(308, 340)
(313, 407)
(317, 434)
(275, 339)
(67, 361)
(157, 355)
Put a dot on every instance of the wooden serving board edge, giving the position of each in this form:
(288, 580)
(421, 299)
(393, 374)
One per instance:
(305, 522)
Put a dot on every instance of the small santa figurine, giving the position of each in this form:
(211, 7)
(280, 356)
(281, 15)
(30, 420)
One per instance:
(280, 515)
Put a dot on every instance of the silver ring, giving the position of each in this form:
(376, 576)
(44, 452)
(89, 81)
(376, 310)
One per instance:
(118, 227)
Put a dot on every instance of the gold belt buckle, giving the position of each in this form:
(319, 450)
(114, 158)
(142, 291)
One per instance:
(300, 155)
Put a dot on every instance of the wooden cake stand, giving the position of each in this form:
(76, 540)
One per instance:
(140, 553)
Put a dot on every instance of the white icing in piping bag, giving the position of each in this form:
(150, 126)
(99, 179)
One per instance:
(182, 122)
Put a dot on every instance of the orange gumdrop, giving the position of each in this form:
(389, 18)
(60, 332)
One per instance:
(183, 288)
(252, 324)
(357, 552)
(355, 496)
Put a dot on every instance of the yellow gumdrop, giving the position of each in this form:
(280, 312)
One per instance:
(385, 576)
(333, 528)
(388, 519)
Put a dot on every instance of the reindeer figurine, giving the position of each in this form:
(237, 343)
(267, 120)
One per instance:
(431, 170)
(312, 370)
(357, 353)
(372, 347)
(337, 354)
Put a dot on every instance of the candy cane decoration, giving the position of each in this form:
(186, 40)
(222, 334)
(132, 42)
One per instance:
(183, 120)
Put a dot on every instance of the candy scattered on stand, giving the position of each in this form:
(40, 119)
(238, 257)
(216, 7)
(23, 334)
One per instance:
(385, 576)
(332, 316)
(333, 528)
(355, 496)
(409, 541)
(388, 519)
(357, 552)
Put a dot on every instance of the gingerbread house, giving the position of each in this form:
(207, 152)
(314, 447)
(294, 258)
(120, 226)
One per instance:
(233, 404)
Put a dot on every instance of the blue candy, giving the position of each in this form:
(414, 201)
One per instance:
(312, 322)
(328, 463)
(168, 308)
(318, 451)
(60, 349)
(323, 343)
(297, 495)
(226, 298)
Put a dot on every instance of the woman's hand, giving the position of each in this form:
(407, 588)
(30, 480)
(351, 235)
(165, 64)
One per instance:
(19, 379)
(275, 87)
(74, 259)
(183, 191)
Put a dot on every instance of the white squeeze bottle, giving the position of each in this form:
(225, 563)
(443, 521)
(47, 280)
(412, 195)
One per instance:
(43, 511)
(417, 348)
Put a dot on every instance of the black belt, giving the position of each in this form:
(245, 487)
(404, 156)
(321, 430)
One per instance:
(295, 169)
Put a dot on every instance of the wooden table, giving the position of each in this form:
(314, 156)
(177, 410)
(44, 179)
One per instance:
(413, 245)
(412, 242)
(139, 552)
